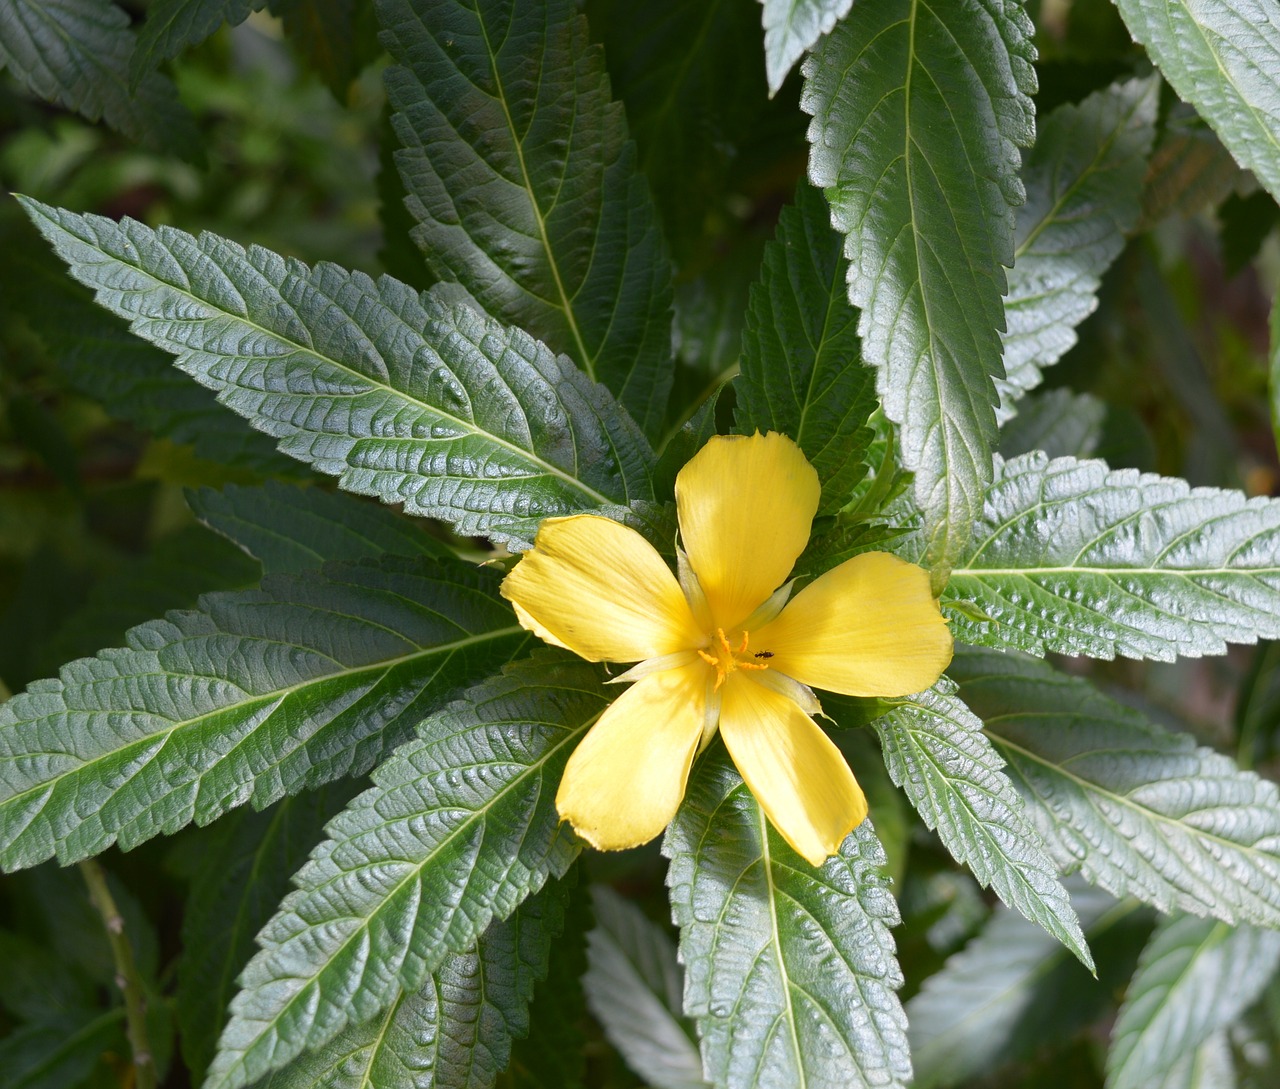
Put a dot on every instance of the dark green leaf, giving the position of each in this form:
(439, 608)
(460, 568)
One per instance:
(524, 184)
(402, 397)
(62, 1053)
(791, 28)
(1196, 976)
(257, 695)
(935, 750)
(1057, 421)
(918, 112)
(1140, 811)
(802, 371)
(290, 529)
(789, 970)
(173, 25)
(459, 827)
(336, 38)
(1246, 223)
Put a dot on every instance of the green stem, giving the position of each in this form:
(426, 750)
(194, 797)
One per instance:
(127, 978)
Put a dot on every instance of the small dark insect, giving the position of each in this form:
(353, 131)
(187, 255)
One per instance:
(764, 654)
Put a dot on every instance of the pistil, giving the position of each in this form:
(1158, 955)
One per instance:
(728, 658)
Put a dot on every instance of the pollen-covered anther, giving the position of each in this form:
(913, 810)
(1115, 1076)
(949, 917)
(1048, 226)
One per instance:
(728, 658)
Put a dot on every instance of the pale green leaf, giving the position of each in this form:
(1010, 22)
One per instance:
(257, 695)
(399, 396)
(1057, 421)
(935, 750)
(1222, 56)
(523, 180)
(1195, 976)
(790, 971)
(1210, 1066)
(1073, 557)
(791, 28)
(1084, 181)
(634, 985)
(1139, 810)
(459, 827)
(918, 112)
(173, 25)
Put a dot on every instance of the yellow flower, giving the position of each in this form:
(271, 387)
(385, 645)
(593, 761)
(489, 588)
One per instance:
(723, 647)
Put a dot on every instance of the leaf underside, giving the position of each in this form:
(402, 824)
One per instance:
(791, 28)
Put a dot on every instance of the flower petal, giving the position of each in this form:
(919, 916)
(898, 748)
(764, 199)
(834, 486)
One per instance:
(869, 627)
(746, 505)
(599, 589)
(794, 769)
(624, 782)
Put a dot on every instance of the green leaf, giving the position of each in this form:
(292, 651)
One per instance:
(935, 750)
(802, 371)
(793, 26)
(174, 25)
(402, 397)
(1084, 183)
(61, 1053)
(918, 112)
(459, 827)
(1210, 1066)
(290, 530)
(1195, 976)
(790, 970)
(454, 1032)
(1190, 169)
(1076, 558)
(524, 184)
(1273, 383)
(244, 871)
(1014, 988)
(1057, 421)
(1223, 57)
(1140, 811)
(75, 54)
(336, 38)
(634, 985)
(258, 695)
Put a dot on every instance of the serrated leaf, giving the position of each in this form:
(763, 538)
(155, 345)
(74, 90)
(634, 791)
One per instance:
(459, 827)
(75, 54)
(1057, 421)
(399, 396)
(1222, 56)
(1195, 976)
(290, 530)
(792, 27)
(918, 112)
(1073, 557)
(1084, 181)
(258, 695)
(802, 371)
(634, 986)
(173, 25)
(524, 183)
(935, 750)
(244, 871)
(789, 970)
(1013, 989)
(1140, 811)
(454, 1032)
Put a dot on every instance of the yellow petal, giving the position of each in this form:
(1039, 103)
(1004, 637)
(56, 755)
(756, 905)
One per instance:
(623, 783)
(746, 505)
(599, 589)
(795, 771)
(869, 627)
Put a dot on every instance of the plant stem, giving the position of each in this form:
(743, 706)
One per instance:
(127, 978)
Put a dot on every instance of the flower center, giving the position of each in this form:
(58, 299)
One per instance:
(725, 657)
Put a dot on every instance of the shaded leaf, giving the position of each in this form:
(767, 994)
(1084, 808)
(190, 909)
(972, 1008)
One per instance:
(791, 28)
(62, 1053)
(1190, 169)
(173, 25)
(1057, 421)
(335, 38)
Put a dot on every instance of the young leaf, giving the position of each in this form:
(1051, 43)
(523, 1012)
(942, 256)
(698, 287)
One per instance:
(935, 750)
(1222, 56)
(1073, 557)
(1195, 976)
(402, 397)
(789, 971)
(1084, 183)
(922, 179)
(1057, 421)
(455, 1031)
(75, 54)
(459, 827)
(802, 372)
(1140, 811)
(290, 530)
(173, 25)
(257, 695)
(634, 985)
(791, 27)
(524, 184)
